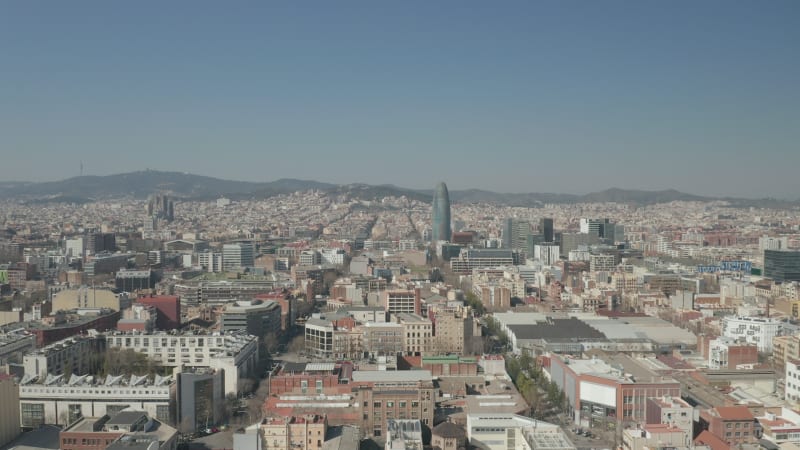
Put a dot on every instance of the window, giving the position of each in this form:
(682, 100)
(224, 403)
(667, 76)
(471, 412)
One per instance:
(162, 413)
(74, 413)
(376, 404)
(304, 386)
(319, 386)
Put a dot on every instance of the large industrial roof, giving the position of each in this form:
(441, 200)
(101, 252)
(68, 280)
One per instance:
(556, 329)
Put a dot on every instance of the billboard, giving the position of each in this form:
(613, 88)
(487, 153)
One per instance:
(736, 266)
(727, 266)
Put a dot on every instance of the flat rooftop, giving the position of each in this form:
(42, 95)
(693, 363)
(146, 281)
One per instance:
(552, 329)
(391, 375)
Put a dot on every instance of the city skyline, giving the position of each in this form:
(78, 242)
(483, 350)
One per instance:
(520, 98)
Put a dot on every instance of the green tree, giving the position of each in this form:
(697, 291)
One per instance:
(127, 361)
(271, 342)
(475, 303)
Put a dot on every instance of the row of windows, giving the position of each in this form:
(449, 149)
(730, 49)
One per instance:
(390, 404)
(167, 342)
(33, 413)
(85, 441)
(737, 434)
(52, 391)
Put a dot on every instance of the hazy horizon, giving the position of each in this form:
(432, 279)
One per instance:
(401, 186)
(517, 97)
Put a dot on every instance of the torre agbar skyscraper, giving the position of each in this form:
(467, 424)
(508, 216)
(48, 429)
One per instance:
(441, 214)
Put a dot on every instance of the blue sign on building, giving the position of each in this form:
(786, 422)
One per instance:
(727, 266)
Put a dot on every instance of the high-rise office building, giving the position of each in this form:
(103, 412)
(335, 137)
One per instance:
(515, 233)
(546, 228)
(441, 214)
(238, 255)
(594, 226)
(782, 265)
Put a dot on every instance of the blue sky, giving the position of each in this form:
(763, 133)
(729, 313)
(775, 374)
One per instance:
(511, 96)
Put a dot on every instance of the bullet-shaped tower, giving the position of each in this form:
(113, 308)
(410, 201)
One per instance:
(441, 214)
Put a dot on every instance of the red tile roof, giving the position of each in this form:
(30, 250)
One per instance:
(734, 413)
(706, 438)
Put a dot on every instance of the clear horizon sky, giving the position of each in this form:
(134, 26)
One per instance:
(513, 96)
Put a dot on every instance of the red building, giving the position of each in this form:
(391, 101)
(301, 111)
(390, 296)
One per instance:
(450, 365)
(346, 397)
(309, 377)
(168, 307)
(742, 355)
(732, 424)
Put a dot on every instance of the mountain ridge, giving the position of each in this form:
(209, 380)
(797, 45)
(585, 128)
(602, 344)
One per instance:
(140, 184)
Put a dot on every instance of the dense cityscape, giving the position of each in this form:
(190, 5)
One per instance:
(326, 319)
(403, 225)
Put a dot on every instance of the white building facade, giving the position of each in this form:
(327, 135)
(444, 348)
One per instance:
(235, 353)
(753, 330)
(59, 400)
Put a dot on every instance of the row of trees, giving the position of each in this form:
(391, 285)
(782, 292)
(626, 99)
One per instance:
(543, 395)
(495, 332)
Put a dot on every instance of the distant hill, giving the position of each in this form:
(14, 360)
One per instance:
(197, 187)
(616, 195)
(143, 183)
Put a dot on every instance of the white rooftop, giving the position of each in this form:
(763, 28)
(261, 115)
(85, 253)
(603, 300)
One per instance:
(391, 375)
(517, 318)
(320, 367)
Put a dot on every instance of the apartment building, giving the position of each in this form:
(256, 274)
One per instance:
(734, 425)
(402, 301)
(417, 334)
(236, 353)
(303, 432)
(77, 354)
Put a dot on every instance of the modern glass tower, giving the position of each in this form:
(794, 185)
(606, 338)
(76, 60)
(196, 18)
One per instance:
(441, 214)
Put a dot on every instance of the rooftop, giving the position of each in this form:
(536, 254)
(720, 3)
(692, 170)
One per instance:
(561, 329)
(89, 380)
(733, 413)
(391, 375)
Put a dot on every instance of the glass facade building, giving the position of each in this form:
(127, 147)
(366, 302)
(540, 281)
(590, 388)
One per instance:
(441, 214)
(782, 265)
